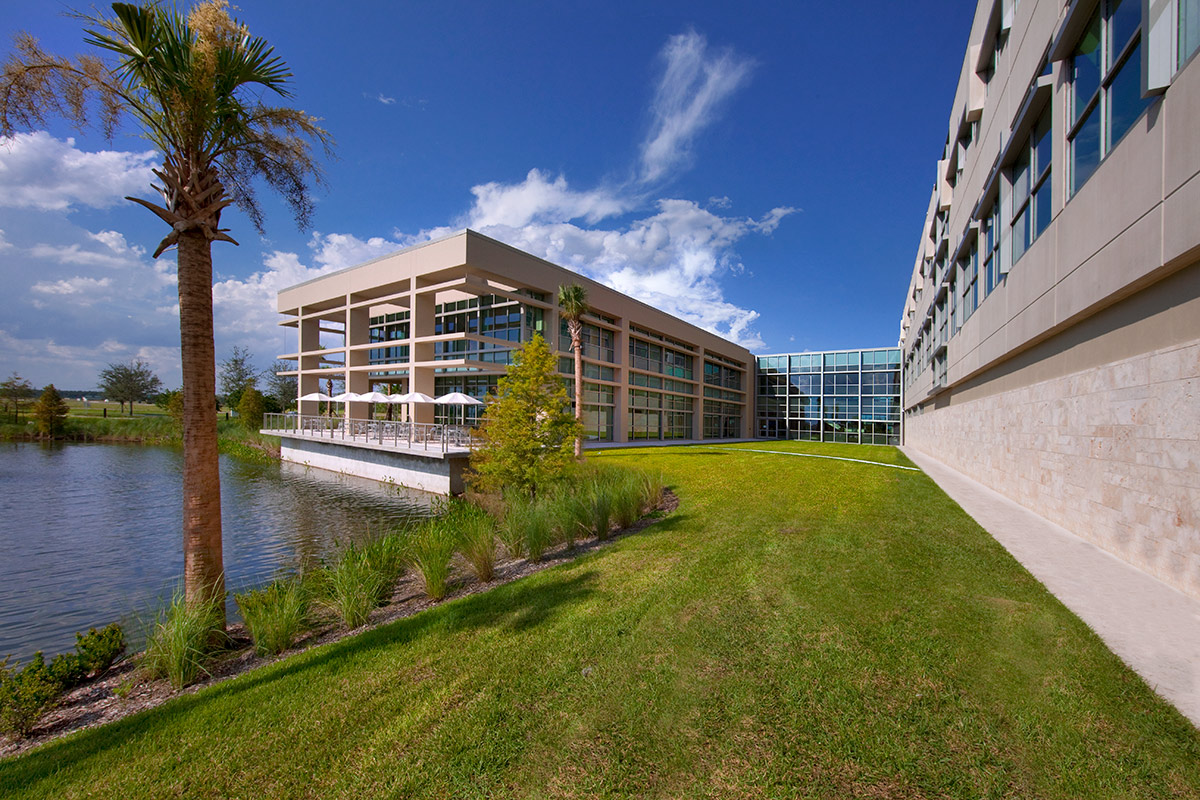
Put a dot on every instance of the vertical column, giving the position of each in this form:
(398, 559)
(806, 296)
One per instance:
(310, 343)
(620, 429)
(698, 402)
(422, 322)
(358, 331)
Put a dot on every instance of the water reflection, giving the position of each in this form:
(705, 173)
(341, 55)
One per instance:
(91, 533)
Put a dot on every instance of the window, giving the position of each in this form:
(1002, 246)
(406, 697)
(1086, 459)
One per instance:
(969, 283)
(1106, 85)
(1189, 30)
(1031, 188)
(989, 232)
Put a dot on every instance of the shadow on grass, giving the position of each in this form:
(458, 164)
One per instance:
(519, 606)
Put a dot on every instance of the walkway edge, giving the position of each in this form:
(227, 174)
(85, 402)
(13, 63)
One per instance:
(1154, 628)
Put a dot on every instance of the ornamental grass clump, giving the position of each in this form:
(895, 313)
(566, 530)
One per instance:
(276, 615)
(530, 523)
(476, 534)
(386, 555)
(181, 640)
(350, 587)
(629, 498)
(570, 509)
(430, 546)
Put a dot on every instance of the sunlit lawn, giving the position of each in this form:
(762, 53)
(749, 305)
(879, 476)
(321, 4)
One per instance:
(799, 628)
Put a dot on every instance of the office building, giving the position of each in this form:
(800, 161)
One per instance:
(1051, 332)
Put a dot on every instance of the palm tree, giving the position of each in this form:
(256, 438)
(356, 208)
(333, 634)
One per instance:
(572, 305)
(192, 85)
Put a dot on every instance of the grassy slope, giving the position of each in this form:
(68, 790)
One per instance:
(800, 627)
(233, 437)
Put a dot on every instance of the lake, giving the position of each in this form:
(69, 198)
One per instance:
(91, 533)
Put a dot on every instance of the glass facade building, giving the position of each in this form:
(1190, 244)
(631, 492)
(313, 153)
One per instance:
(836, 396)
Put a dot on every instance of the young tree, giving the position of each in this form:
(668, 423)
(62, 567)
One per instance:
(236, 376)
(527, 430)
(129, 383)
(193, 85)
(572, 305)
(50, 411)
(281, 388)
(251, 408)
(15, 392)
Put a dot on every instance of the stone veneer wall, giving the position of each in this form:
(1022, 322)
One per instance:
(1111, 453)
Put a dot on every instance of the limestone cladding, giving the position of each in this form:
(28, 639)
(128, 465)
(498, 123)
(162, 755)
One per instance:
(1111, 453)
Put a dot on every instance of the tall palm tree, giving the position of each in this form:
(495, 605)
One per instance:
(193, 86)
(572, 305)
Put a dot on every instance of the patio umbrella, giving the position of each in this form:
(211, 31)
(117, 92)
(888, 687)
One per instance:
(346, 397)
(411, 397)
(459, 399)
(375, 397)
(318, 396)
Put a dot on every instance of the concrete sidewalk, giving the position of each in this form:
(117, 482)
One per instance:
(1152, 627)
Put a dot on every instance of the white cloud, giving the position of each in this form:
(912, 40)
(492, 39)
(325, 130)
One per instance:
(39, 171)
(387, 101)
(3, 242)
(79, 285)
(694, 85)
(674, 260)
(537, 199)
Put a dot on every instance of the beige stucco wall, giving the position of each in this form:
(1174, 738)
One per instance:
(1112, 453)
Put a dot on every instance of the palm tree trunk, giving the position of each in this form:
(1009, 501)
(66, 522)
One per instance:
(203, 570)
(577, 346)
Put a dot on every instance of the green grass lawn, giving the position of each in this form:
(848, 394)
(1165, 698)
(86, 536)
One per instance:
(798, 628)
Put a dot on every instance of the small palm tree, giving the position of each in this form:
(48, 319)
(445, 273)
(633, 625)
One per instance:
(192, 85)
(572, 305)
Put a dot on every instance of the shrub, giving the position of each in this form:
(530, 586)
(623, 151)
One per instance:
(275, 616)
(98, 649)
(181, 641)
(26, 695)
(350, 587)
(430, 547)
(476, 535)
(67, 670)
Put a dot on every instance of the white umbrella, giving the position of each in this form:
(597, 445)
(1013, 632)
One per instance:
(346, 397)
(375, 397)
(458, 399)
(412, 397)
(318, 396)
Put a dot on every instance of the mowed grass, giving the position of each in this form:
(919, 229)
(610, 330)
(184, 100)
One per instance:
(798, 628)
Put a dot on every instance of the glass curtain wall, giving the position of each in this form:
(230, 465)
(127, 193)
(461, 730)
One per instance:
(844, 396)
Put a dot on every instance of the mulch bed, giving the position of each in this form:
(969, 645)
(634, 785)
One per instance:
(124, 690)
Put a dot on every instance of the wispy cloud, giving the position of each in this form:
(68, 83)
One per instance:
(39, 171)
(694, 85)
(387, 101)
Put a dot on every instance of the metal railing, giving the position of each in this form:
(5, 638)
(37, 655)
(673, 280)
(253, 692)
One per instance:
(409, 435)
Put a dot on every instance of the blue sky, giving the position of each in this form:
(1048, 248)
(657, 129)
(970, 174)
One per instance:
(761, 170)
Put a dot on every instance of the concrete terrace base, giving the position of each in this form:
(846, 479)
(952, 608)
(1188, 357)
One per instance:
(432, 471)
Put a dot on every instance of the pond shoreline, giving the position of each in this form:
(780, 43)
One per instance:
(120, 692)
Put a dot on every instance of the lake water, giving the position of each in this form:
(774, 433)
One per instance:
(91, 534)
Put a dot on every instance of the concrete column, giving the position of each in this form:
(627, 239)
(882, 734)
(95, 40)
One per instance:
(422, 322)
(358, 331)
(310, 343)
(698, 402)
(621, 392)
